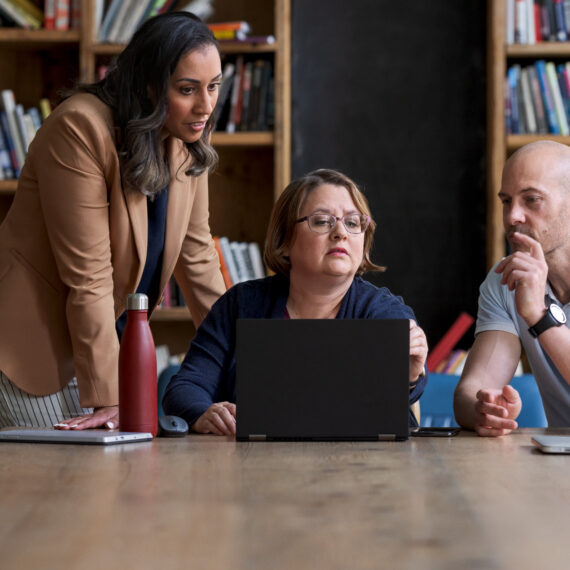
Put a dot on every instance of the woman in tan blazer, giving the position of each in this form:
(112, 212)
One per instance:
(112, 199)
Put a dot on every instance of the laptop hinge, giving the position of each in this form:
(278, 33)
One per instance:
(257, 437)
(386, 437)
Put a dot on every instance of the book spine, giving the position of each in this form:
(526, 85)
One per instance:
(553, 128)
(255, 255)
(10, 144)
(236, 90)
(527, 101)
(14, 14)
(9, 104)
(239, 25)
(557, 97)
(541, 123)
(520, 22)
(49, 14)
(62, 13)
(514, 107)
(510, 22)
(228, 257)
(449, 340)
(5, 160)
(223, 265)
(561, 34)
(530, 27)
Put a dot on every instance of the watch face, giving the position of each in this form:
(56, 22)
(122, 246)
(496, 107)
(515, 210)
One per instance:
(557, 313)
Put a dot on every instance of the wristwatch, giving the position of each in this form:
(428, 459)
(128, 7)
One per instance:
(554, 317)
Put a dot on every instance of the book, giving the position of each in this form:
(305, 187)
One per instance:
(62, 14)
(530, 27)
(510, 22)
(561, 34)
(222, 110)
(223, 265)
(541, 123)
(45, 108)
(49, 14)
(5, 160)
(449, 340)
(10, 144)
(531, 125)
(540, 66)
(557, 98)
(264, 81)
(9, 106)
(239, 262)
(15, 14)
(121, 16)
(513, 100)
(235, 96)
(246, 93)
(255, 256)
(229, 259)
(75, 15)
(248, 271)
(238, 25)
(521, 22)
(134, 20)
(108, 19)
(98, 10)
(31, 10)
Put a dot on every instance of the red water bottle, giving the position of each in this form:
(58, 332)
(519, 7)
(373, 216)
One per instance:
(137, 370)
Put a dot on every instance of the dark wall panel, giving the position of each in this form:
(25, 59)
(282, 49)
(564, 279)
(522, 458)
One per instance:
(393, 94)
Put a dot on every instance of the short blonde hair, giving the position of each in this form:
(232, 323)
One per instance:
(286, 212)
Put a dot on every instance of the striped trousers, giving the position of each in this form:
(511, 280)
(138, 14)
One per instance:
(18, 408)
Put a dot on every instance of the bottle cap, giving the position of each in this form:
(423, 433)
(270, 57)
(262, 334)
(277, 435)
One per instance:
(137, 302)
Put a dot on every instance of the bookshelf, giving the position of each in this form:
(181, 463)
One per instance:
(499, 144)
(254, 166)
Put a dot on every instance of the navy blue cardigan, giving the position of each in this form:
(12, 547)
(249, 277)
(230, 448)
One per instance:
(207, 374)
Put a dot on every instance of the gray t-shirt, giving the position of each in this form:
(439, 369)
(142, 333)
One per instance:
(497, 312)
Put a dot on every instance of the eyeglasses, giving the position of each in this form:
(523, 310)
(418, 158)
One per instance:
(324, 223)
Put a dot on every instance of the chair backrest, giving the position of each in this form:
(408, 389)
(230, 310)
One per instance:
(437, 401)
(163, 380)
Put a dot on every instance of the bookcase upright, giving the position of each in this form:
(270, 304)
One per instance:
(500, 144)
(254, 166)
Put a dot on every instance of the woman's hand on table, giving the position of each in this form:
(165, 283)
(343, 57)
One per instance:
(418, 351)
(107, 416)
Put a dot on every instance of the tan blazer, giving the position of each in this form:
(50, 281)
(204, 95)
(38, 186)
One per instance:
(73, 245)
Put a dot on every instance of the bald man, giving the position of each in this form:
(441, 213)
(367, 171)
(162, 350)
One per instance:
(525, 299)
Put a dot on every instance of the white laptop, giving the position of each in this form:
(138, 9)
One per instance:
(89, 436)
(552, 443)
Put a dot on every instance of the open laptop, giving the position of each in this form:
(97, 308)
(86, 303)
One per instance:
(89, 436)
(325, 379)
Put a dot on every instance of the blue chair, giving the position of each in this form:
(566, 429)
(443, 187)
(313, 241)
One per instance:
(436, 403)
(163, 380)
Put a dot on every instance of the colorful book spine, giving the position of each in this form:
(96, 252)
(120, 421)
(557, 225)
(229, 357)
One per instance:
(223, 265)
(449, 340)
(553, 127)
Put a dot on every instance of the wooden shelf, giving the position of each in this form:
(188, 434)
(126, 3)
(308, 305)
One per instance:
(515, 142)
(225, 48)
(8, 186)
(243, 139)
(542, 49)
(33, 38)
(171, 314)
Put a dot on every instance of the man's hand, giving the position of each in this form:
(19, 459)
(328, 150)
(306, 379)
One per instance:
(101, 417)
(525, 272)
(496, 411)
(219, 419)
(418, 350)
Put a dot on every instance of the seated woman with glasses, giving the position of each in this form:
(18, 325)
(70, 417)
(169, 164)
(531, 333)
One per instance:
(318, 243)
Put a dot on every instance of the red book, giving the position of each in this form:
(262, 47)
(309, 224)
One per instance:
(449, 340)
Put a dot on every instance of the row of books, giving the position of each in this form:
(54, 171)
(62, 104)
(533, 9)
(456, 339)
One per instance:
(56, 14)
(534, 21)
(537, 98)
(238, 31)
(246, 97)
(116, 21)
(452, 364)
(17, 129)
(239, 261)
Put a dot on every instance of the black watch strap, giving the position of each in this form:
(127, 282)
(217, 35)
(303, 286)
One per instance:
(554, 317)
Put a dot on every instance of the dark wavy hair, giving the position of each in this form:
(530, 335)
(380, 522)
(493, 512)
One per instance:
(135, 88)
(286, 212)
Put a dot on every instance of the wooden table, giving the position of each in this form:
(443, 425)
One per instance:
(205, 502)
